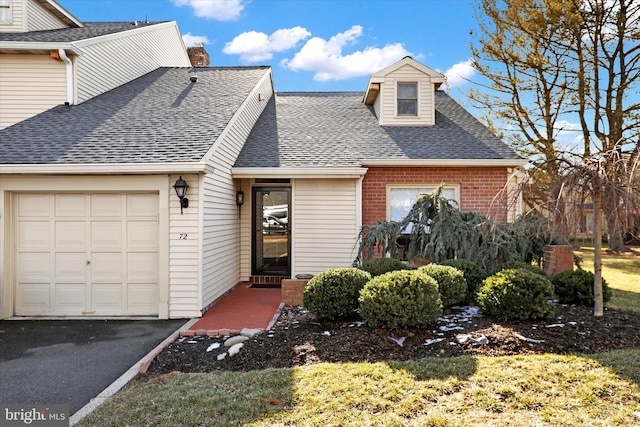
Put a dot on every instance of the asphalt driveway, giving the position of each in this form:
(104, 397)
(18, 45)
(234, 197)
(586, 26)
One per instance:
(71, 361)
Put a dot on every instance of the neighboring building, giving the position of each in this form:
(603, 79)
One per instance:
(48, 57)
(279, 184)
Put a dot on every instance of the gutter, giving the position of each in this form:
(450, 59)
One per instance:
(70, 82)
(105, 168)
(298, 172)
(445, 162)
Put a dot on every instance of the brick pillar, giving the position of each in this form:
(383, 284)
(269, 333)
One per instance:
(198, 55)
(293, 289)
(557, 258)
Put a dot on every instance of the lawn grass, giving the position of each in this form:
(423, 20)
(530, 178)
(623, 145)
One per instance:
(622, 273)
(558, 390)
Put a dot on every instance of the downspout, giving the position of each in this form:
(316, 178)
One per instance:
(70, 85)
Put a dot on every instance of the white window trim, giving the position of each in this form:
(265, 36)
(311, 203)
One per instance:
(426, 186)
(6, 6)
(417, 83)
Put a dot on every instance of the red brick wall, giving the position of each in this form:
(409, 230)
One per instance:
(481, 189)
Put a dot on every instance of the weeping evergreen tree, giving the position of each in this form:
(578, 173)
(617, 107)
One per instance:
(436, 230)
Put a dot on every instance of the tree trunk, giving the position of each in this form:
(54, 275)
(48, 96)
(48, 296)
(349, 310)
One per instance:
(598, 308)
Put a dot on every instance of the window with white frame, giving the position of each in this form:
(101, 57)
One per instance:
(401, 198)
(5, 10)
(407, 96)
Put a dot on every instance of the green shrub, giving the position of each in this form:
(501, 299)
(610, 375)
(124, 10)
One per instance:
(516, 294)
(334, 293)
(405, 298)
(576, 287)
(451, 283)
(378, 266)
(472, 272)
(522, 265)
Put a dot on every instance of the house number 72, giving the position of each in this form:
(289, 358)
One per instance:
(183, 236)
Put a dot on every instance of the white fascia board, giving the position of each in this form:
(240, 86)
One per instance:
(346, 172)
(445, 162)
(105, 168)
(60, 12)
(31, 46)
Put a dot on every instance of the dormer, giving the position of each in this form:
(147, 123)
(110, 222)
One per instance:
(21, 16)
(403, 94)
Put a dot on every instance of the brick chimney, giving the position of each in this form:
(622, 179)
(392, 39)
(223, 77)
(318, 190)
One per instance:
(198, 55)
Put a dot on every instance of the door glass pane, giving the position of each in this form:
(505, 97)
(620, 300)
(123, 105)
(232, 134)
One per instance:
(271, 231)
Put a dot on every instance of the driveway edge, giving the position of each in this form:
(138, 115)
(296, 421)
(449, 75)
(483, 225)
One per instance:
(123, 379)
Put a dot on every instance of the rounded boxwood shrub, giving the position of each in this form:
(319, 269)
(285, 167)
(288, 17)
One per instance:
(516, 294)
(473, 273)
(576, 287)
(451, 283)
(405, 298)
(334, 293)
(522, 265)
(378, 266)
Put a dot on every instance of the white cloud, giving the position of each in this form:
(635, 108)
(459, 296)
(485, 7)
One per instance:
(254, 46)
(219, 10)
(325, 57)
(460, 73)
(191, 40)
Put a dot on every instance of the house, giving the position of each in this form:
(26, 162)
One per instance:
(48, 57)
(277, 185)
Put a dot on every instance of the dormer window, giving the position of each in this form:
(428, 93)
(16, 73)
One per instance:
(407, 99)
(5, 10)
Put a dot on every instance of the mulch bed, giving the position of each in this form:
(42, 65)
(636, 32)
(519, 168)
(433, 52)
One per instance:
(299, 339)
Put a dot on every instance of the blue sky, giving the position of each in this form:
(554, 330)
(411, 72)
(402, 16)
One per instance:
(312, 45)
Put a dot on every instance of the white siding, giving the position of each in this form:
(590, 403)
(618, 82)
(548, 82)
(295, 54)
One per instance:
(18, 18)
(325, 228)
(40, 19)
(221, 228)
(184, 241)
(29, 84)
(111, 61)
(426, 100)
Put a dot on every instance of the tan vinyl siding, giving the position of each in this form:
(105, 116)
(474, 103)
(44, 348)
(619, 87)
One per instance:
(40, 19)
(184, 240)
(18, 18)
(221, 229)
(111, 61)
(29, 85)
(387, 97)
(324, 224)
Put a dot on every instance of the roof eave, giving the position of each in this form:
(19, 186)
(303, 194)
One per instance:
(29, 47)
(446, 162)
(60, 12)
(105, 168)
(298, 172)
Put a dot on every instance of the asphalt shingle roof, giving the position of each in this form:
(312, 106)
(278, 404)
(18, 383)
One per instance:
(337, 129)
(67, 35)
(159, 117)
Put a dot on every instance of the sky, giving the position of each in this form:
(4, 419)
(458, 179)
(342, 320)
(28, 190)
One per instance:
(312, 45)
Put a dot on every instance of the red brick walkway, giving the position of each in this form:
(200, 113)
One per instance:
(243, 307)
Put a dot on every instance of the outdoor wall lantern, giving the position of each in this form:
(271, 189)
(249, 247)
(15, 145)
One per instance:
(240, 198)
(181, 190)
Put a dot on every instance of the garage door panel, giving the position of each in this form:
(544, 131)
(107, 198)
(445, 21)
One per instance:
(142, 235)
(70, 205)
(70, 235)
(86, 254)
(33, 299)
(142, 267)
(106, 205)
(107, 298)
(34, 267)
(34, 235)
(70, 267)
(34, 205)
(106, 235)
(70, 298)
(106, 267)
(142, 298)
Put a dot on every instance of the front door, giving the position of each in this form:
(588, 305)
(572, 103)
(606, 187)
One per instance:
(271, 243)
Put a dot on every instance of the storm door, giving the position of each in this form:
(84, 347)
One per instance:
(271, 243)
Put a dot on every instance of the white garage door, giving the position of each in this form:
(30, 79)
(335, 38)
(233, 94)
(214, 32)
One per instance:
(86, 254)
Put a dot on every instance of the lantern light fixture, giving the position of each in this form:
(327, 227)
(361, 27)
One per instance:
(240, 198)
(181, 191)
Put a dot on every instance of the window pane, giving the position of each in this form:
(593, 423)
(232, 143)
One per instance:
(407, 90)
(407, 107)
(401, 200)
